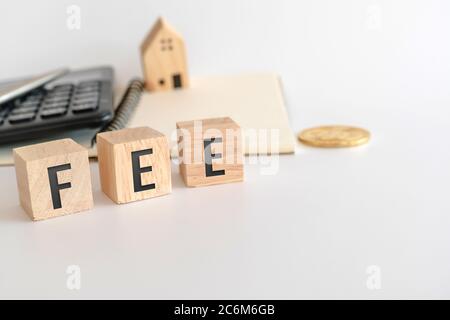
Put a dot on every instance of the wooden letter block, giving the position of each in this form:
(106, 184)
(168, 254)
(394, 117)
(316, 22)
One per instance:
(134, 164)
(210, 151)
(53, 178)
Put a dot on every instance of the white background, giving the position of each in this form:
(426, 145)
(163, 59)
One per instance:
(308, 232)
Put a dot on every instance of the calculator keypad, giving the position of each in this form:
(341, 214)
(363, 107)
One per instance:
(80, 100)
(53, 103)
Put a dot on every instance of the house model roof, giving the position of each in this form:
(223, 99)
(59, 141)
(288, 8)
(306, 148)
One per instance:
(160, 24)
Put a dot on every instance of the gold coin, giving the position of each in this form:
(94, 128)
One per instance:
(334, 136)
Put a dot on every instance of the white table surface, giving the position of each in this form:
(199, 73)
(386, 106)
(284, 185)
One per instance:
(309, 231)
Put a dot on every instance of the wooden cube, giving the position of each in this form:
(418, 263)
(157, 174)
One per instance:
(210, 151)
(134, 164)
(53, 178)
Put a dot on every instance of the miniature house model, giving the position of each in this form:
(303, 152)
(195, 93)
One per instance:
(164, 58)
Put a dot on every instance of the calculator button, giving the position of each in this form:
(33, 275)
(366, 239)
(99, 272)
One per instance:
(84, 101)
(86, 92)
(24, 110)
(23, 117)
(27, 104)
(84, 107)
(51, 95)
(88, 83)
(87, 88)
(54, 94)
(55, 112)
(91, 95)
(52, 105)
(62, 87)
(56, 101)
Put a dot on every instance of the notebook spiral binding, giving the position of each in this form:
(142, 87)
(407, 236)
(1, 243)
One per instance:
(126, 107)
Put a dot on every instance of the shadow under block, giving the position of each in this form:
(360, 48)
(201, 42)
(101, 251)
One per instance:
(210, 151)
(134, 164)
(53, 178)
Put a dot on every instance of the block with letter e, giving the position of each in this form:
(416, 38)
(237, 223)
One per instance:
(134, 164)
(210, 151)
(53, 178)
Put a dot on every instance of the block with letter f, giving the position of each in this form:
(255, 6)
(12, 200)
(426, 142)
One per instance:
(53, 178)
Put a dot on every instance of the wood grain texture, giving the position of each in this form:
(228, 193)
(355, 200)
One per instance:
(163, 56)
(191, 151)
(116, 169)
(32, 175)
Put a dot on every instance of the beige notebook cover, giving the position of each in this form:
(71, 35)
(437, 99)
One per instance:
(255, 102)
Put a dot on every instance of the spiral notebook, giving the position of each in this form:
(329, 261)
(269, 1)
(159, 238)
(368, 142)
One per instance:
(255, 102)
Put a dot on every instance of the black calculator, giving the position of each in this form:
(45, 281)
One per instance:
(78, 99)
